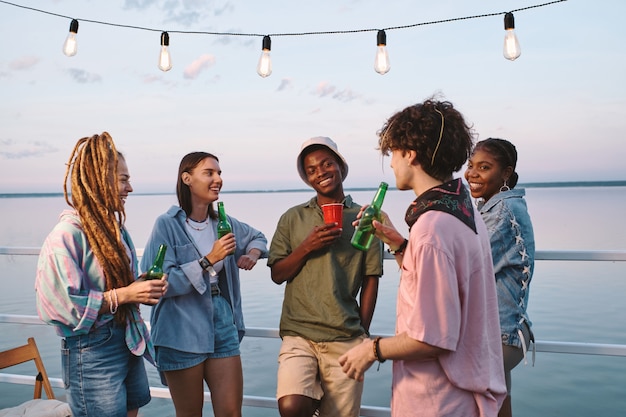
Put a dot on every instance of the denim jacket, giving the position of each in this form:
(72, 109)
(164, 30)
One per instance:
(513, 252)
(183, 318)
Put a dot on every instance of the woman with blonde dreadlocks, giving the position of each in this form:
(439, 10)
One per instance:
(87, 287)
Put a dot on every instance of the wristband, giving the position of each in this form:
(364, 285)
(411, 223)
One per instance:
(377, 354)
(207, 266)
(400, 249)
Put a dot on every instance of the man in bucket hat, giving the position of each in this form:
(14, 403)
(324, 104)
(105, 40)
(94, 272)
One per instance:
(321, 317)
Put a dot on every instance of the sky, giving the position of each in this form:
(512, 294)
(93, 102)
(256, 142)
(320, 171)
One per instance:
(562, 102)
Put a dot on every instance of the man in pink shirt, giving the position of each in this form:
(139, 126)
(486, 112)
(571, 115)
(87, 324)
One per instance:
(447, 351)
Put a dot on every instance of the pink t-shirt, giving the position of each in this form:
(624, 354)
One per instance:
(447, 298)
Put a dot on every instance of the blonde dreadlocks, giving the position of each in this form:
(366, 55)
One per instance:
(92, 168)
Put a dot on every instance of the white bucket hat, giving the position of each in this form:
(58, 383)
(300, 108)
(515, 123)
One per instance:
(323, 141)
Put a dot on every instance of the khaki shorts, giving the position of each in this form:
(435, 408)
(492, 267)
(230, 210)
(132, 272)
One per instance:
(312, 369)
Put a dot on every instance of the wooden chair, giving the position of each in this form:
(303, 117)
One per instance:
(27, 353)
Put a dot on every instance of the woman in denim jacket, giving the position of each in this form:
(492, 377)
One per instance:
(492, 178)
(198, 325)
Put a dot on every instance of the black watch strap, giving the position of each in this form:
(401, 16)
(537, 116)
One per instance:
(400, 249)
(205, 263)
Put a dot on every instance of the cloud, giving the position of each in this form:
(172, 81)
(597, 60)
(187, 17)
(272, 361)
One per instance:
(23, 63)
(285, 84)
(83, 77)
(227, 7)
(157, 79)
(184, 12)
(204, 62)
(11, 149)
(185, 18)
(324, 89)
(346, 95)
(138, 4)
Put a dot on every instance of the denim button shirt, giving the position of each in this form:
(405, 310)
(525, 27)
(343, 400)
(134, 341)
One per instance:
(183, 318)
(513, 251)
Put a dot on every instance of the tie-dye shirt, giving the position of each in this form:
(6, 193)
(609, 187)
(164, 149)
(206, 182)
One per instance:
(70, 285)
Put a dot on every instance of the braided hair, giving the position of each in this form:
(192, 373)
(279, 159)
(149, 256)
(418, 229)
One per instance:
(504, 153)
(92, 171)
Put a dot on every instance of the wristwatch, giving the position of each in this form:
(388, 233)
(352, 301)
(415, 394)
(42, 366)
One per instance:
(207, 266)
(400, 249)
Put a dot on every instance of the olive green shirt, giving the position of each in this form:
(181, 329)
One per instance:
(320, 303)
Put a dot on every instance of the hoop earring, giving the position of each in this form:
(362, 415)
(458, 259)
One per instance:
(505, 187)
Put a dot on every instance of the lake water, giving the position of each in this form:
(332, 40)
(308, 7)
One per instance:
(569, 301)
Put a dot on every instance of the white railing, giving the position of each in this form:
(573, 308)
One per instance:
(366, 411)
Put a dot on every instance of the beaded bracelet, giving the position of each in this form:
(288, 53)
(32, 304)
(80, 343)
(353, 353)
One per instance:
(112, 309)
(377, 354)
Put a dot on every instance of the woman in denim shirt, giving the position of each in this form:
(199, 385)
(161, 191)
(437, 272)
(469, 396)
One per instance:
(198, 325)
(492, 178)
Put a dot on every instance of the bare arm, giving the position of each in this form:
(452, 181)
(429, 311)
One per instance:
(320, 237)
(369, 295)
(400, 347)
(248, 261)
(141, 291)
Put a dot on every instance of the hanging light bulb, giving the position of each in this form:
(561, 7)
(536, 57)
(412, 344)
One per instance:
(381, 63)
(69, 46)
(165, 60)
(512, 50)
(264, 69)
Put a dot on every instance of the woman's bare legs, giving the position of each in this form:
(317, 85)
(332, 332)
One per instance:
(224, 377)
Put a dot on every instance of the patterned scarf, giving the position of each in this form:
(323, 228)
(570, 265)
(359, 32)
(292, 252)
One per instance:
(451, 197)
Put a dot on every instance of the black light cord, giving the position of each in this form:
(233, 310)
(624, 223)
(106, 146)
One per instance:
(334, 32)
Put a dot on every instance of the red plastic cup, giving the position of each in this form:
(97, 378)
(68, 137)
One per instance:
(333, 213)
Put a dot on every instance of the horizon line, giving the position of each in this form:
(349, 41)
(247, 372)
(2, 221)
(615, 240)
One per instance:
(551, 184)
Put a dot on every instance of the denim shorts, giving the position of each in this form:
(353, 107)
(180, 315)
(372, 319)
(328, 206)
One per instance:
(102, 377)
(226, 342)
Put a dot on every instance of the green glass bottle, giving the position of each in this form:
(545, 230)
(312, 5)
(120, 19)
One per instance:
(364, 233)
(223, 225)
(156, 270)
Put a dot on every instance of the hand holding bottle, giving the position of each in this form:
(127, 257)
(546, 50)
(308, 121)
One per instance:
(223, 225)
(144, 291)
(364, 232)
(383, 229)
(222, 247)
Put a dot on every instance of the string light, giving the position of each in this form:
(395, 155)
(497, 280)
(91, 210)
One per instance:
(165, 60)
(70, 46)
(512, 50)
(264, 68)
(381, 62)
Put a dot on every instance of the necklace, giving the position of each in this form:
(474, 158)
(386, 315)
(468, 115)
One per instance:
(199, 229)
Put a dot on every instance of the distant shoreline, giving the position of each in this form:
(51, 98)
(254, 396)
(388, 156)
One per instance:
(564, 184)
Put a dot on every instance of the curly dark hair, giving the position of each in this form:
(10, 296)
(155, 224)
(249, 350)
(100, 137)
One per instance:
(436, 131)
